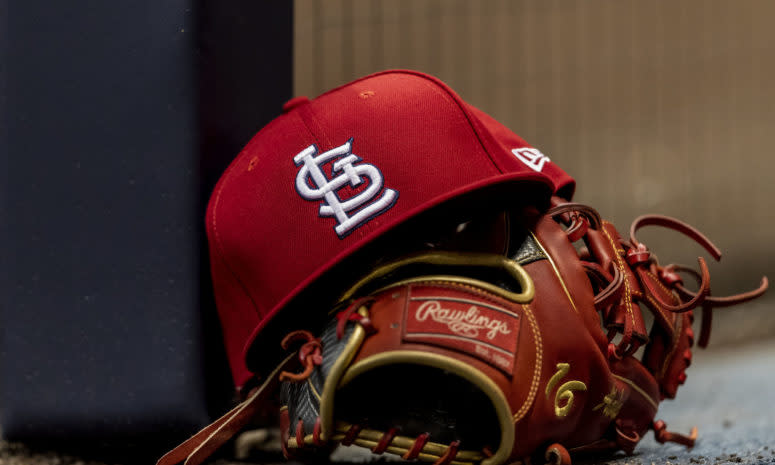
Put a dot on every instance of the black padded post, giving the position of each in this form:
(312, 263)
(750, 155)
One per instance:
(116, 119)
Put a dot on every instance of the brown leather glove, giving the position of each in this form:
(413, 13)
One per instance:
(525, 355)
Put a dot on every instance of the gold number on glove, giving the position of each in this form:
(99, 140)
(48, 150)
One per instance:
(565, 392)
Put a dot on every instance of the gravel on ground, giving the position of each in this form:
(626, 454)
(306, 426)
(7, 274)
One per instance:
(729, 396)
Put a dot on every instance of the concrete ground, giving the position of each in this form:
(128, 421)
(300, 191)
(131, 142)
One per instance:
(729, 396)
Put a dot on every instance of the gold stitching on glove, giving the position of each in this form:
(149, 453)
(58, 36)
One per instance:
(638, 389)
(620, 263)
(536, 368)
(313, 389)
(679, 322)
(612, 403)
(565, 392)
(556, 272)
(442, 259)
(481, 288)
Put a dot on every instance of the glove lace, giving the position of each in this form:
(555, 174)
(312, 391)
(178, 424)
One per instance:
(653, 278)
(310, 354)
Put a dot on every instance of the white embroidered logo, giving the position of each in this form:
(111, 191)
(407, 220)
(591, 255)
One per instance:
(466, 323)
(533, 158)
(345, 171)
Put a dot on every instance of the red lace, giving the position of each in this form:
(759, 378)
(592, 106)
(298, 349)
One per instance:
(580, 218)
(662, 435)
(310, 354)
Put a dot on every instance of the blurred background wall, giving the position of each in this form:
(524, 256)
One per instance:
(653, 106)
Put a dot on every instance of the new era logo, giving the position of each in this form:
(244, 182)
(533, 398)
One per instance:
(533, 158)
(347, 172)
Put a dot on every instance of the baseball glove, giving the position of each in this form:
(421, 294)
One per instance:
(526, 353)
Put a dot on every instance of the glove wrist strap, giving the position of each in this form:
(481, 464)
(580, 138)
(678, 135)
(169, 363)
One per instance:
(200, 446)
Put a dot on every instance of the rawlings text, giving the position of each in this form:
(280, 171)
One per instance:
(466, 323)
(463, 321)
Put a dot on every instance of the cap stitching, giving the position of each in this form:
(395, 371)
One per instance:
(457, 101)
(218, 241)
(437, 87)
(318, 136)
(216, 204)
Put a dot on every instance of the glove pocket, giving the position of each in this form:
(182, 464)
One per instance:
(427, 370)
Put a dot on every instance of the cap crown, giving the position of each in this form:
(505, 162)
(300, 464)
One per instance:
(331, 174)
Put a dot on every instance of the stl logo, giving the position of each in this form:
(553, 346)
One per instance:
(533, 158)
(313, 184)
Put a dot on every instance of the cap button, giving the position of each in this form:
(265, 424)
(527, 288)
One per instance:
(294, 102)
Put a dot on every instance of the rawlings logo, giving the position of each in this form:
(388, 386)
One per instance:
(466, 323)
(348, 170)
(462, 320)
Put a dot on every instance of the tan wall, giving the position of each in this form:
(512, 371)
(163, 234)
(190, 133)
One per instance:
(653, 106)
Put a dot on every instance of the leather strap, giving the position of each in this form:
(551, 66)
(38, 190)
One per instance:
(689, 231)
(200, 446)
(710, 302)
(726, 301)
(675, 225)
(612, 292)
(592, 215)
(662, 435)
(697, 299)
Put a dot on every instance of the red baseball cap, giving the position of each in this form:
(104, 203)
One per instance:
(331, 175)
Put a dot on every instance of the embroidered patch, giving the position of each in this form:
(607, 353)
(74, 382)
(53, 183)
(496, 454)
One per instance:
(533, 158)
(347, 173)
(458, 320)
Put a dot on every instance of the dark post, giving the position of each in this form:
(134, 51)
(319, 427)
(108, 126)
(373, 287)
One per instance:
(116, 119)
